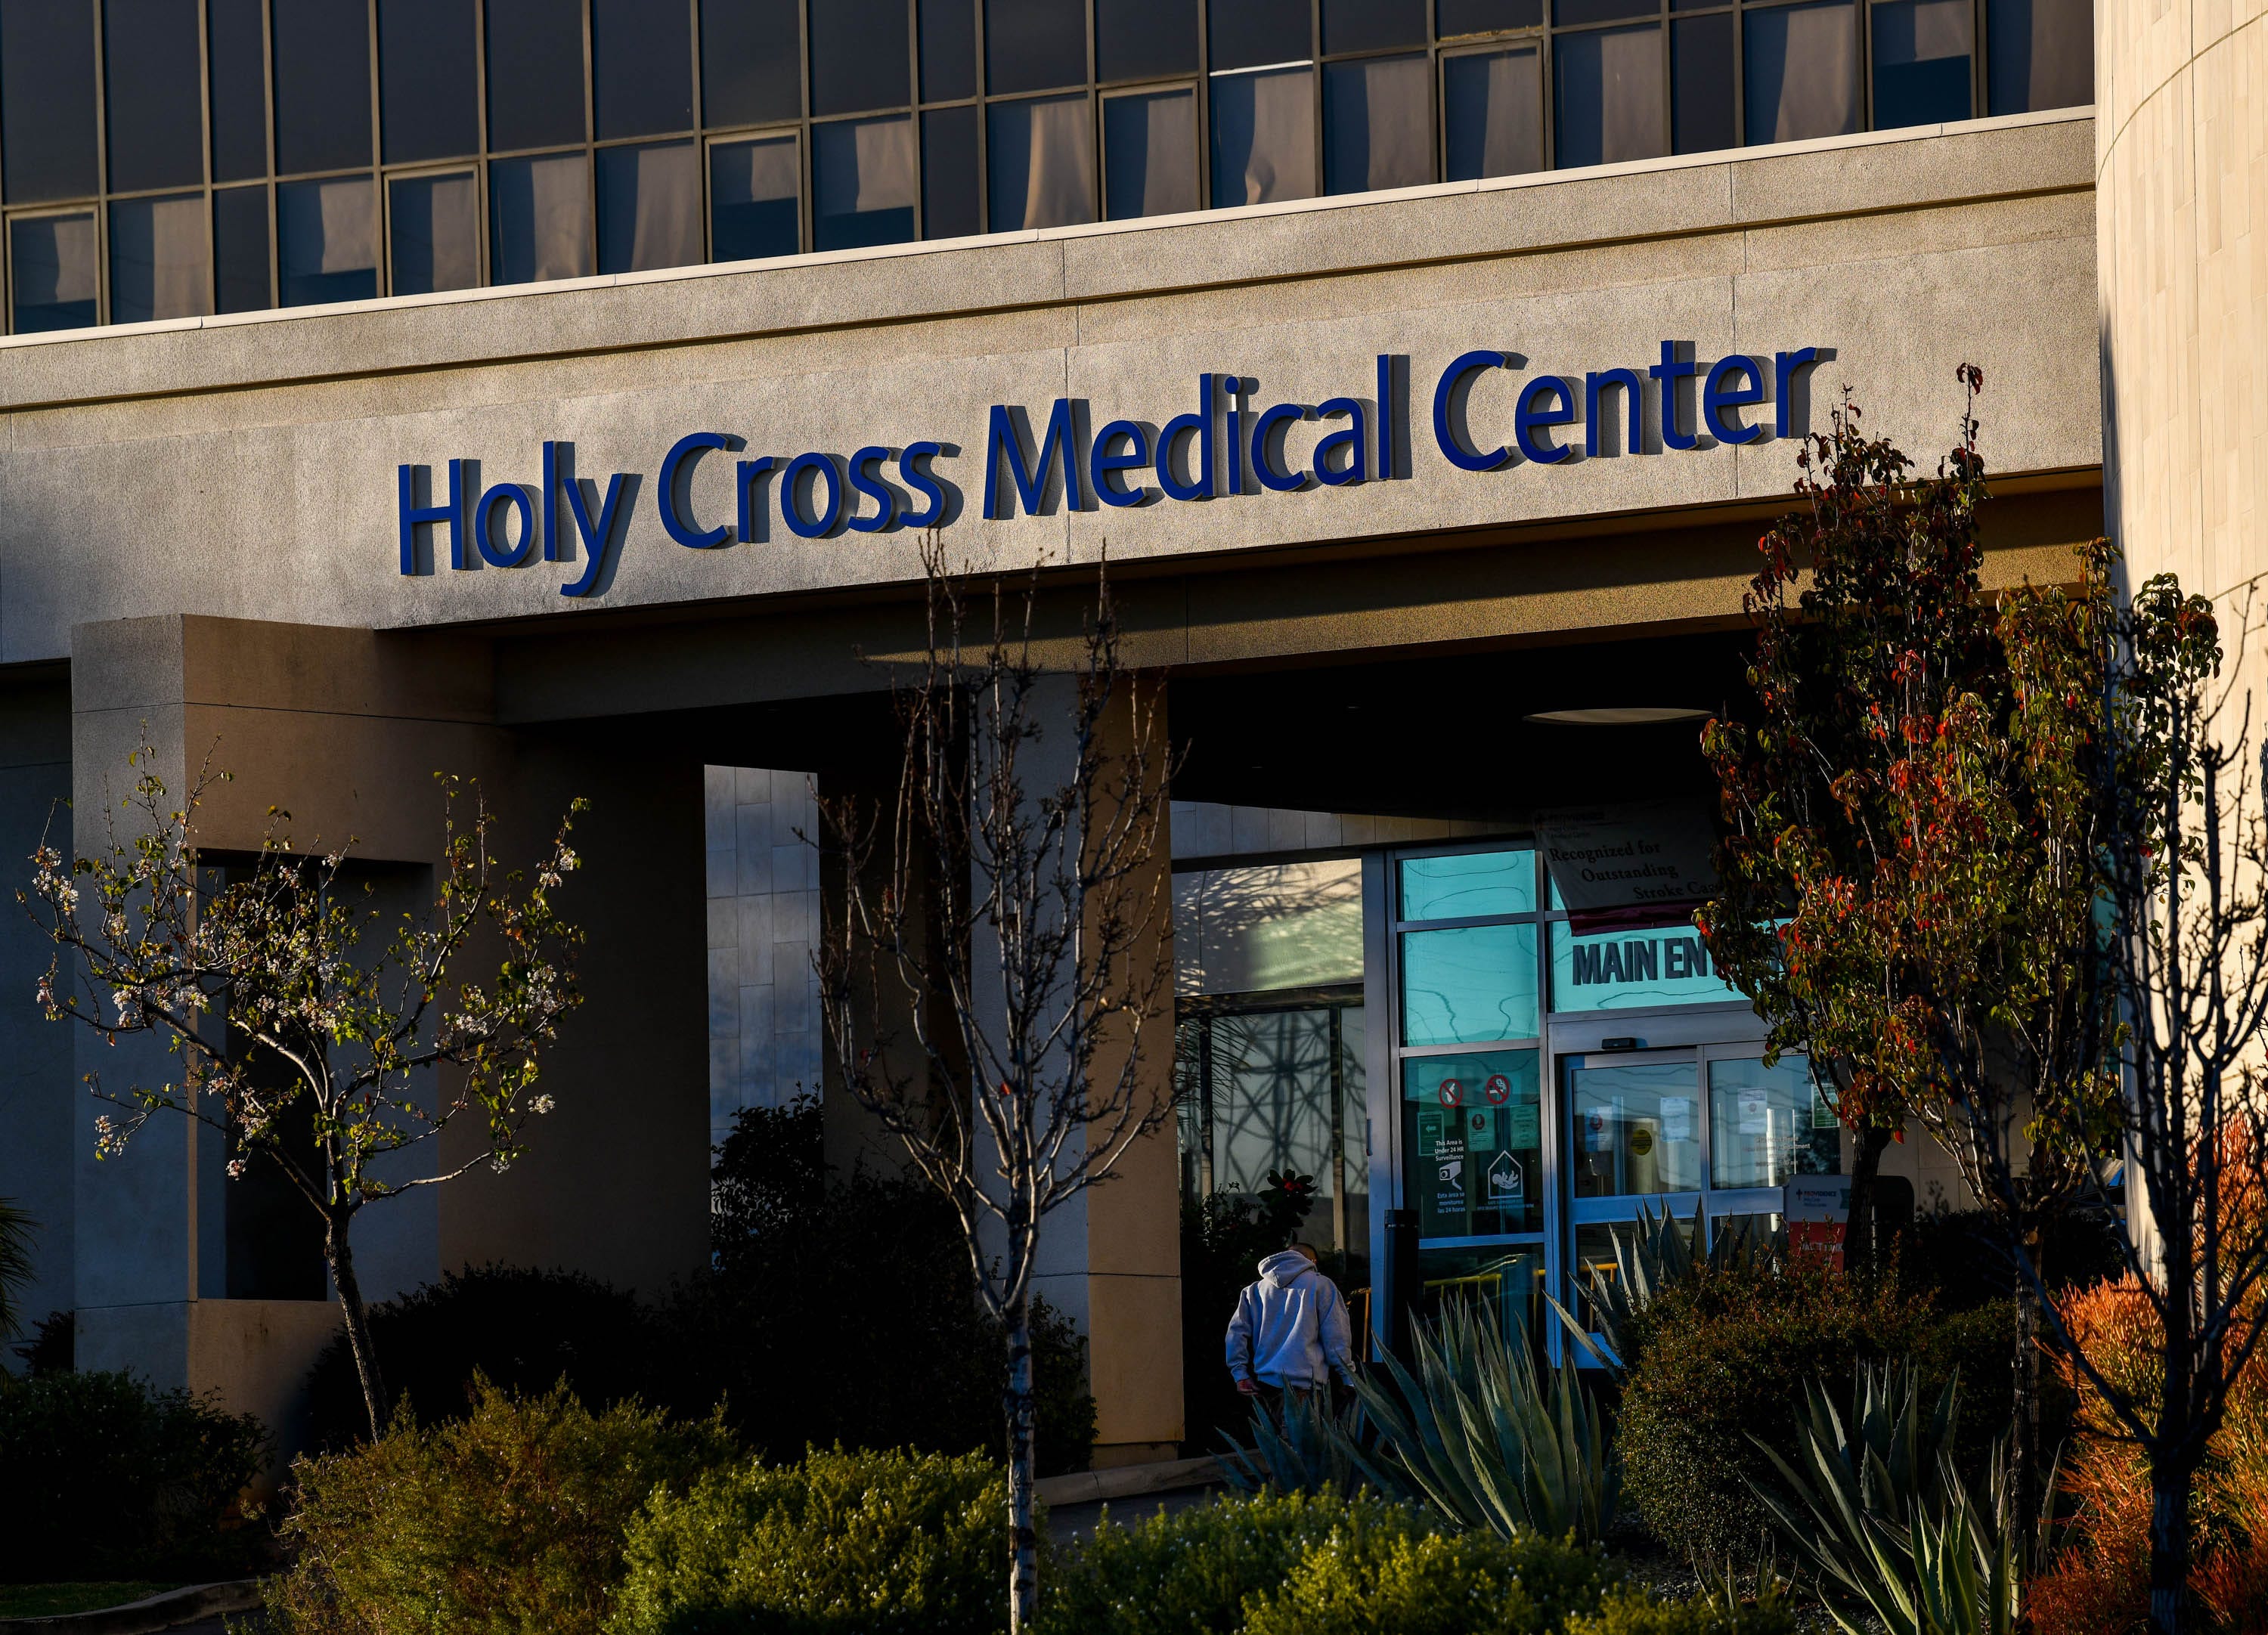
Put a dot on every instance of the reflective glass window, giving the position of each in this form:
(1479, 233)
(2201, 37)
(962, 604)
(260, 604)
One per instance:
(1701, 114)
(1921, 55)
(1034, 45)
(427, 83)
(1039, 163)
(858, 56)
(1372, 25)
(240, 250)
(539, 218)
(1145, 38)
(1636, 1127)
(1492, 113)
(158, 265)
(237, 40)
(2041, 55)
(1150, 152)
(1378, 123)
(1567, 12)
(863, 175)
(435, 238)
(649, 207)
(949, 174)
(151, 99)
(326, 241)
(1628, 970)
(1468, 887)
(1264, 136)
(322, 85)
(535, 72)
(751, 64)
(1472, 1138)
(1610, 96)
(52, 259)
(47, 105)
(1767, 1126)
(948, 49)
(1257, 34)
(754, 199)
(1801, 76)
(1467, 984)
(1454, 18)
(642, 67)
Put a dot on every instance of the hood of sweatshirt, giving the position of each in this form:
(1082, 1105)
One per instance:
(1284, 1268)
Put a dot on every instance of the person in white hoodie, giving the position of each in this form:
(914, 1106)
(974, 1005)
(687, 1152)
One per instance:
(1291, 1331)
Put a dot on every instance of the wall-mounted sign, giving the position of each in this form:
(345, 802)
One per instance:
(1634, 865)
(1220, 443)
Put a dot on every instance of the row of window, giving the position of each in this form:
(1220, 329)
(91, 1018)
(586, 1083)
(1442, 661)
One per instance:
(185, 157)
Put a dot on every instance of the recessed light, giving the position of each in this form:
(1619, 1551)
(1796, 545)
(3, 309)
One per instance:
(1632, 715)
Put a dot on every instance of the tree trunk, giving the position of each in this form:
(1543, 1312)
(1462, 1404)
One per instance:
(1023, 1416)
(1859, 1228)
(2024, 1444)
(340, 1259)
(2170, 1547)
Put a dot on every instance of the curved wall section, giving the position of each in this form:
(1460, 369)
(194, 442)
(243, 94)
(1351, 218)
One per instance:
(2182, 213)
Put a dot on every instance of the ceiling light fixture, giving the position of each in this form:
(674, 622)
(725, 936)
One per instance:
(1629, 715)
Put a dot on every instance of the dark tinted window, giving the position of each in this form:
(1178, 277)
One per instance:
(152, 100)
(1566, 12)
(754, 199)
(1701, 85)
(2042, 54)
(649, 207)
(858, 57)
(433, 233)
(322, 85)
(53, 260)
(949, 174)
(948, 49)
(327, 236)
(864, 175)
(1150, 152)
(1801, 76)
(240, 250)
(1030, 45)
(427, 101)
(751, 62)
(1378, 123)
(539, 218)
(1145, 38)
(159, 262)
(240, 95)
(643, 82)
(1921, 61)
(1247, 34)
(1371, 25)
(535, 73)
(1610, 96)
(1492, 113)
(1481, 17)
(47, 109)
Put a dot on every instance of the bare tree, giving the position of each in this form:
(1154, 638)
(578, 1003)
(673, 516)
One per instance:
(2184, 846)
(306, 1034)
(1004, 910)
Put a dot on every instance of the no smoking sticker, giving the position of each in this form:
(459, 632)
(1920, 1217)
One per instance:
(1498, 1089)
(1452, 1093)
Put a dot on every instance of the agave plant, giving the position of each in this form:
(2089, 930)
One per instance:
(1898, 1541)
(1303, 1446)
(1483, 1435)
(1658, 1253)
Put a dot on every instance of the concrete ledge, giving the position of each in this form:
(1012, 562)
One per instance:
(1088, 1487)
(176, 1607)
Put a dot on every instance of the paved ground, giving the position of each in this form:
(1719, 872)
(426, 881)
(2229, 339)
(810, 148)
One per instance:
(1066, 1522)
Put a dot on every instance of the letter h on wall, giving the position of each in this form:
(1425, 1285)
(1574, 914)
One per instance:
(411, 514)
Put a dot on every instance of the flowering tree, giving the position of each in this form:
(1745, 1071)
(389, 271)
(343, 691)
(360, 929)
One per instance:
(304, 1033)
(2183, 848)
(1008, 903)
(1908, 885)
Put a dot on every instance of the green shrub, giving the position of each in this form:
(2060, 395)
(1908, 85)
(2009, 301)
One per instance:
(1191, 1571)
(1722, 1355)
(1628, 1612)
(1432, 1584)
(865, 1543)
(101, 1476)
(907, 1359)
(522, 1330)
(510, 1518)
